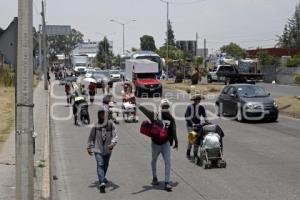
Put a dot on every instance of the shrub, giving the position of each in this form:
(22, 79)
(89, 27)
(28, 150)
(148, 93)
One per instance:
(179, 77)
(195, 78)
(294, 62)
(7, 77)
(297, 78)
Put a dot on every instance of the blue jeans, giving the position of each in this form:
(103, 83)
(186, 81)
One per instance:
(165, 150)
(102, 166)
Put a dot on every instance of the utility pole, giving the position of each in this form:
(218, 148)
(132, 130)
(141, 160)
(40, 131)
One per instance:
(123, 39)
(167, 40)
(40, 48)
(205, 64)
(45, 53)
(24, 103)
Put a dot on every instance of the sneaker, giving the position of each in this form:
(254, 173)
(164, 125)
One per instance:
(102, 187)
(155, 181)
(168, 187)
(105, 181)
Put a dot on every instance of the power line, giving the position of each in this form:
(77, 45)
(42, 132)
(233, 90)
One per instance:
(185, 3)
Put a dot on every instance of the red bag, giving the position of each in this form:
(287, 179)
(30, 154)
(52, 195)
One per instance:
(146, 128)
(153, 130)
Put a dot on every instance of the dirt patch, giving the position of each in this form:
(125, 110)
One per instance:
(289, 105)
(192, 89)
(7, 114)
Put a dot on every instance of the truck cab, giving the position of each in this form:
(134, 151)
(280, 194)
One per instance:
(143, 74)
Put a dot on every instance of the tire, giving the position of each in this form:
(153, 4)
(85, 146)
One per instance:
(137, 92)
(218, 110)
(209, 80)
(227, 81)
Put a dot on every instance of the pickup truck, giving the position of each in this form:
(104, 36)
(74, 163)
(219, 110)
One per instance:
(230, 74)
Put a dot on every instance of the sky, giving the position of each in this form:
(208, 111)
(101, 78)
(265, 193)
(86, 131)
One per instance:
(250, 23)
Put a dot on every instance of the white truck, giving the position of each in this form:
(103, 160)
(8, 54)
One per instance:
(80, 63)
(142, 73)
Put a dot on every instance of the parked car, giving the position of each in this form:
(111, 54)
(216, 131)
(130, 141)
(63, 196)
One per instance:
(102, 77)
(230, 74)
(247, 102)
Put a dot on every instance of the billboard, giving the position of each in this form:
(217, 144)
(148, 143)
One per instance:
(53, 30)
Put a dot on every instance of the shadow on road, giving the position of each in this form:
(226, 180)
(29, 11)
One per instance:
(154, 187)
(110, 186)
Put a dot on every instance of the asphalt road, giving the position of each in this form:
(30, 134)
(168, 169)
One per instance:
(262, 158)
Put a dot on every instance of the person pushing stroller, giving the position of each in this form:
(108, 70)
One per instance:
(193, 115)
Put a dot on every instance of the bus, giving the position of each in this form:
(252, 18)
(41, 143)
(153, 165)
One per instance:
(149, 55)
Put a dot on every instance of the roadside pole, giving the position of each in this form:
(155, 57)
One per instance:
(24, 103)
(40, 48)
(205, 64)
(167, 40)
(45, 53)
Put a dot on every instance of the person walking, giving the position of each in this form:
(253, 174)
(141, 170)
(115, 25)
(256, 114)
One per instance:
(68, 92)
(165, 119)
(101, 142)
(92, 91)
(193, 115)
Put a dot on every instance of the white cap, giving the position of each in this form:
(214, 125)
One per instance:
(164, 102)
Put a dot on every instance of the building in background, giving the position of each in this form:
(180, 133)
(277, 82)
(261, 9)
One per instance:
(8, 44)
(202, 52)
(90, 49)
(188, 46)
(276, 52)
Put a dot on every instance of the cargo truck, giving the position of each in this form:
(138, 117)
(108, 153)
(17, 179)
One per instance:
(143, 74)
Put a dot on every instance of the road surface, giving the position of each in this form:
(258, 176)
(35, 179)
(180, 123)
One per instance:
(263, 161)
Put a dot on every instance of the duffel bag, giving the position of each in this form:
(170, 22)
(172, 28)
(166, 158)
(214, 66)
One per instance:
(153, 130)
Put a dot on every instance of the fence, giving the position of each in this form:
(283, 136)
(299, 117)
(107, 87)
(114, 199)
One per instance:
(282, 75)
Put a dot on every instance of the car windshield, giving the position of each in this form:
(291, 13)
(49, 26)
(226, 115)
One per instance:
(114, 72)
(101, 73)
(251, 91)
(146, 76)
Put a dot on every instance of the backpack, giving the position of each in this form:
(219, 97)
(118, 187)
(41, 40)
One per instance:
(155, 131)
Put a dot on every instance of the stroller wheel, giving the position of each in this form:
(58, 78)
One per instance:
(221, 164)
(207, 164)
(198, 161)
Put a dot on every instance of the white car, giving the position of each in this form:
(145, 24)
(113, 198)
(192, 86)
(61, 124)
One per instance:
(90, 73)
(115, 75)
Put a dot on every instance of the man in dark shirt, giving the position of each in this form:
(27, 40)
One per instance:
(164, 119)
(193, 118)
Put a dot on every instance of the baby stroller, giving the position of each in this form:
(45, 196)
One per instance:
(129, 103)
(129, 110)
(210, 140)
(113, 111)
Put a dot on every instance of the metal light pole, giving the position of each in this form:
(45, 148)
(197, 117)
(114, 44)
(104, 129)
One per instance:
(40, 48)
(167, 56)
(24, 103)
(123, 26)
(45, 53)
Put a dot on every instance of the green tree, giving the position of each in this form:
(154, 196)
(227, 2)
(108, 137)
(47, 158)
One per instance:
(64, 44)
(133, 49)
(266, 59)
(147, 43)
(174, 53)
(290, 37)
(234, 50)
(104, 55)
(170, 35)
